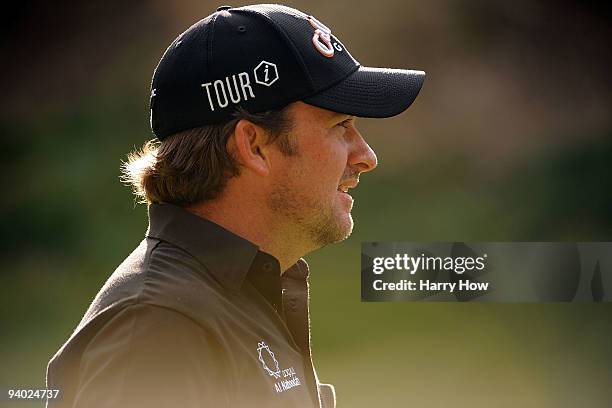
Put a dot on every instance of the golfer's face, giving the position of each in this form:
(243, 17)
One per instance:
(331, 156)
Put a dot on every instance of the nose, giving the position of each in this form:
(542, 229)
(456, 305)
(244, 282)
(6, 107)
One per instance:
(361, 156)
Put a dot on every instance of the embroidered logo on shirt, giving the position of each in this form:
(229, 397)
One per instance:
(264, 349)
(271, 366)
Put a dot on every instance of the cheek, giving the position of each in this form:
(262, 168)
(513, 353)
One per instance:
(321, 166)
(336, 164)
(333, 163)
(318, 181)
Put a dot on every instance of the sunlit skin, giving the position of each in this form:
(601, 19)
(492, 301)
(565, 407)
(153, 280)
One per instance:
(290, 205)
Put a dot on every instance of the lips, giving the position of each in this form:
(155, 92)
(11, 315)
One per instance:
(346, 185)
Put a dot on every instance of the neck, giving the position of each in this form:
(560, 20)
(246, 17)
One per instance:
(240, 216)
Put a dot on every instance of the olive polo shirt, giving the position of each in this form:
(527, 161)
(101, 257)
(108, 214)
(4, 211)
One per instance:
(194, 317)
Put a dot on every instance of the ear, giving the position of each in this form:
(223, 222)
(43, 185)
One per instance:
(248, 146)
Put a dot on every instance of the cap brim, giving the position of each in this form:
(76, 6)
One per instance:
(371, 92)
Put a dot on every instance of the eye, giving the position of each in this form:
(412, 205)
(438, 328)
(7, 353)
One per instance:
(346, 123)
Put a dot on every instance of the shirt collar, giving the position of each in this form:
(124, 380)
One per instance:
(228, 257)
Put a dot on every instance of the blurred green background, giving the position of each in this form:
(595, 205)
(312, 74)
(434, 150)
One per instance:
(510, 140)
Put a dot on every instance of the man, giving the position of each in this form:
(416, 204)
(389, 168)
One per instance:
(255, 109)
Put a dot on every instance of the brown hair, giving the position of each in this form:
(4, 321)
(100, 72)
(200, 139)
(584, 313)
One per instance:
(194, 165)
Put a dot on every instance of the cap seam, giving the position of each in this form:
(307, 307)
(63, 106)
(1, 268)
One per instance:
(289, 42)
(210, 44)
(333, 83)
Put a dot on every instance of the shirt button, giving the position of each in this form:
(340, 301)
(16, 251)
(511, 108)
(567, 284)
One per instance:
(267, 267)
(221, 8)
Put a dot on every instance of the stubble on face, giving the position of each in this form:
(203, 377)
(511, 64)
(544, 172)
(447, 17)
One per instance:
(316, 221)
(307, 209)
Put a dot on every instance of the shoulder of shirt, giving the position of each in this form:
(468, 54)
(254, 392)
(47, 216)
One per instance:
(161, 274)
(157, 280)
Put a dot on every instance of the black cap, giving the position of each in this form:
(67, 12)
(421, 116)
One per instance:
(263, 57)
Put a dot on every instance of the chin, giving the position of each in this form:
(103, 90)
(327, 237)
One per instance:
(328, 227)
(348, 230)
(343, 227)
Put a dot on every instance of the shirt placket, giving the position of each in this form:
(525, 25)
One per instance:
(295, 305)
